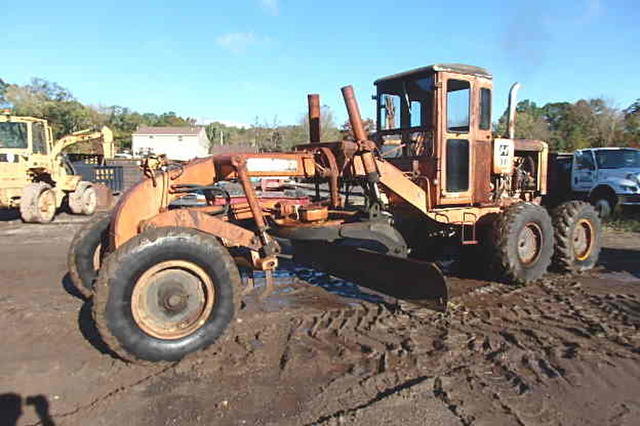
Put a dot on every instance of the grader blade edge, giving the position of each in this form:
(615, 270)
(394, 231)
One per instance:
(420, 283)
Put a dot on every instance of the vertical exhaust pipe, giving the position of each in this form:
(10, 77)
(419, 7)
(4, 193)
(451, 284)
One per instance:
(314, 118)
(354, 113)
(513, 102)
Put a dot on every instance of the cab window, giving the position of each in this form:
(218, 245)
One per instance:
(405, 103)
(39, 138)
(458, 102)
(13, 135)
(584, 160)
(485, 109)
(457, 165)
(390, 108)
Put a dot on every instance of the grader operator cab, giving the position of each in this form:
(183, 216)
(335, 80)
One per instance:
(432, 173)
(35, 177)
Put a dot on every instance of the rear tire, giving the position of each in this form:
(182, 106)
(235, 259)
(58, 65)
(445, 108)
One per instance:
(166, 293)
(84, 200)
(604, 207)
(38, 203)
(578, 236)
(522, 243)
(91, 241)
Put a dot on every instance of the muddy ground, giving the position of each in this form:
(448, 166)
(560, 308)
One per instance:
(565, 350)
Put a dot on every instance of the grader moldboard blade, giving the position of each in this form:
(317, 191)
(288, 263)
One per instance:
(421, 283)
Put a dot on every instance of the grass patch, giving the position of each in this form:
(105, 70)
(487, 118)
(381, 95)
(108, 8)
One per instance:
(624, 219)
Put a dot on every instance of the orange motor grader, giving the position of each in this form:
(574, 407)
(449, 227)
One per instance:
(170, 283)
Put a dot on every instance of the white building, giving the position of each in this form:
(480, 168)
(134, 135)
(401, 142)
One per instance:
(177, 143)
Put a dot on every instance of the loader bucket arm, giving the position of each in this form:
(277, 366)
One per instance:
(105, 134)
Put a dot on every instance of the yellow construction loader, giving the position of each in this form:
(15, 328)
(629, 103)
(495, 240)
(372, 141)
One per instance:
(34, 175)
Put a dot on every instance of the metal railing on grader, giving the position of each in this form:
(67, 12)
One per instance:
(170, 284)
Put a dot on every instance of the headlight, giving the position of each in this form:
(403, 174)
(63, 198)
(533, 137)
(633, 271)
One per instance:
(634, 177)
(629, 188)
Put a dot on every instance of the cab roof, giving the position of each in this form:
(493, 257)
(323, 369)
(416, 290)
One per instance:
(458, 68)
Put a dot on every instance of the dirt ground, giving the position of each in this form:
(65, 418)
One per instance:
(565, 351)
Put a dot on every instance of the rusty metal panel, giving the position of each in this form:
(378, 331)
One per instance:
(529, 145)
(397, 182)
(232, 234)
(482, 154)
(152, 196)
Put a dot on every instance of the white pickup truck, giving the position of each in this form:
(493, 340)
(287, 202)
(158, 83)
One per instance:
(607, 177)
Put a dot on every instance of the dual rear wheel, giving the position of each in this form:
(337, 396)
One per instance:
(524, 241)
(578, 236)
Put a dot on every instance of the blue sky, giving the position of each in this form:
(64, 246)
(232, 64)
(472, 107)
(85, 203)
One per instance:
(235, 60)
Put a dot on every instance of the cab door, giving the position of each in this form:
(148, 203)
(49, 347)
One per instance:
(458, 133)
(39, 147)
(482, 147)
(583, 171)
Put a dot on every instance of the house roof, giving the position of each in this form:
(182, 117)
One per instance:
(459, 68)
(167, 131)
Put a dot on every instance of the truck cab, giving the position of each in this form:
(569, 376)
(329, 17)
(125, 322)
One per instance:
(607, 177)
(434, 124)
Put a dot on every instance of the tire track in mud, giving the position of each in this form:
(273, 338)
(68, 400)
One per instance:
(499, 356)
(493, 356)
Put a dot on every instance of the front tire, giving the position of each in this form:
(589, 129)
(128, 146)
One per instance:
(88, 245)
(38, 203)
(578, 236)
(166, 293)
(522, 243)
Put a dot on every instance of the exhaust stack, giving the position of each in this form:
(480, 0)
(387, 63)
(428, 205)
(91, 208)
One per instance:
(314, 118)
(354, 113)
(513, 102)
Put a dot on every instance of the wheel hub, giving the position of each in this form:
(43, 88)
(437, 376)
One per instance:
(172, 299)
(47, 203)
(529, 243)
(582, 239)
(89, 199)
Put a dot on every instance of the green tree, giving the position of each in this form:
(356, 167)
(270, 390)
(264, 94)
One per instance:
(48, 100)
(530, 122)
(346, 131)
(631, 124)
(328, 129)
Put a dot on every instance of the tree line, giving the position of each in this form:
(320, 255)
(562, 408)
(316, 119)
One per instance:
(569, 126)
(45, 99)
(565, 126)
